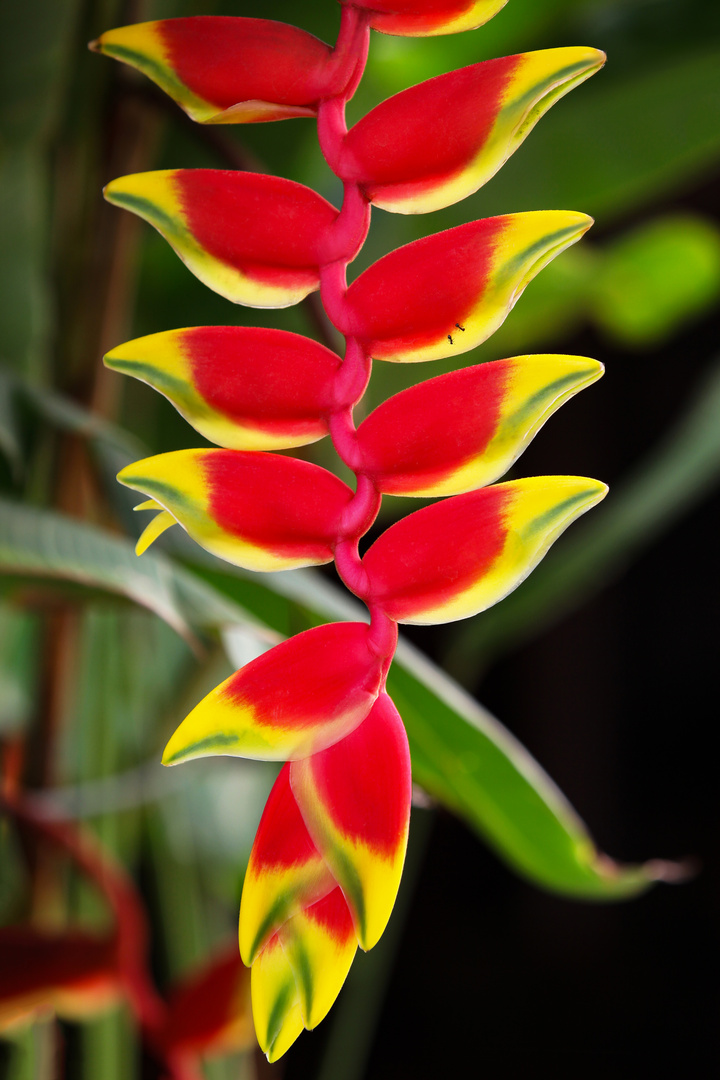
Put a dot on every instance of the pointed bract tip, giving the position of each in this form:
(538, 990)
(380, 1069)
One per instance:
(110, 358)
(583, 222)
(95, 45)
(169, 758)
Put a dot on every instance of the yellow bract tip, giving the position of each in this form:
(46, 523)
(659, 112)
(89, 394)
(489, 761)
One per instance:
(156, 528)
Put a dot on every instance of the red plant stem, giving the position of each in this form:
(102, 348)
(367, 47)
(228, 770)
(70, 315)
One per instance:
(341, 247)
(350, 53)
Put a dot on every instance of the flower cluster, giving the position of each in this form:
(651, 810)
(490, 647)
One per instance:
(328, 855)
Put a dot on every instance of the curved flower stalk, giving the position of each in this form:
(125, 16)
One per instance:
(327, 859)
(76, 973)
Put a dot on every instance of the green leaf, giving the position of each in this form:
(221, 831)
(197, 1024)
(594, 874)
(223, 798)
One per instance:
(652, 280)
(668, 483)
(41, 550)
(66, 414)
(468, 761)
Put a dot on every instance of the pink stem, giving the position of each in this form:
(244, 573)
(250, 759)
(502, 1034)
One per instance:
(350, 228)
(340, 248)
(349, 56)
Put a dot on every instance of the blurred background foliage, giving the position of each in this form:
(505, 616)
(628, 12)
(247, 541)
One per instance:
(101, 655)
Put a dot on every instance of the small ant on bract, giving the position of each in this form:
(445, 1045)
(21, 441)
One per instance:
(450, 339)
(460, 327)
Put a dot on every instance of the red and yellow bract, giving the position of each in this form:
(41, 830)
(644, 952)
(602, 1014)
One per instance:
(254, 239)
(424, 18)
(242, 387)
(260, 511)
(291, 701)
(449, 292)
(463, 430)
(224, 70)
(472, 119)
(328, 855)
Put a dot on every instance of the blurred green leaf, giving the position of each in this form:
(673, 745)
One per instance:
(113, 446)
(67, 415)
(673, 478)
(43, 548)
(36, 42)
(655, 278)
(33, 1052)
(101, 718)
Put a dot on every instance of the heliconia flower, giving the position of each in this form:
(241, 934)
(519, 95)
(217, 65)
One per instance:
(463, 430)
(426, 18)
(242, 387)
(355, 801)
(225, 70)
(209, 1012)
(254, 239)
(327, 858)
(499, 534)
(450, 291)
(296, 699)
(436, 143)
(260, 511)
(73, 973)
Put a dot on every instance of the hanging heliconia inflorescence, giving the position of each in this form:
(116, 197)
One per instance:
(328, 855)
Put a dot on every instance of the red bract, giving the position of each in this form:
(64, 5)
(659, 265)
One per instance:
(294, 700)
(328, 854)
(224, 70)
(438, 142)
(499, 534)
(242, 387)
(465, 429)
(422, 18)
(449, 292)
(260, 511)
(254, 239)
